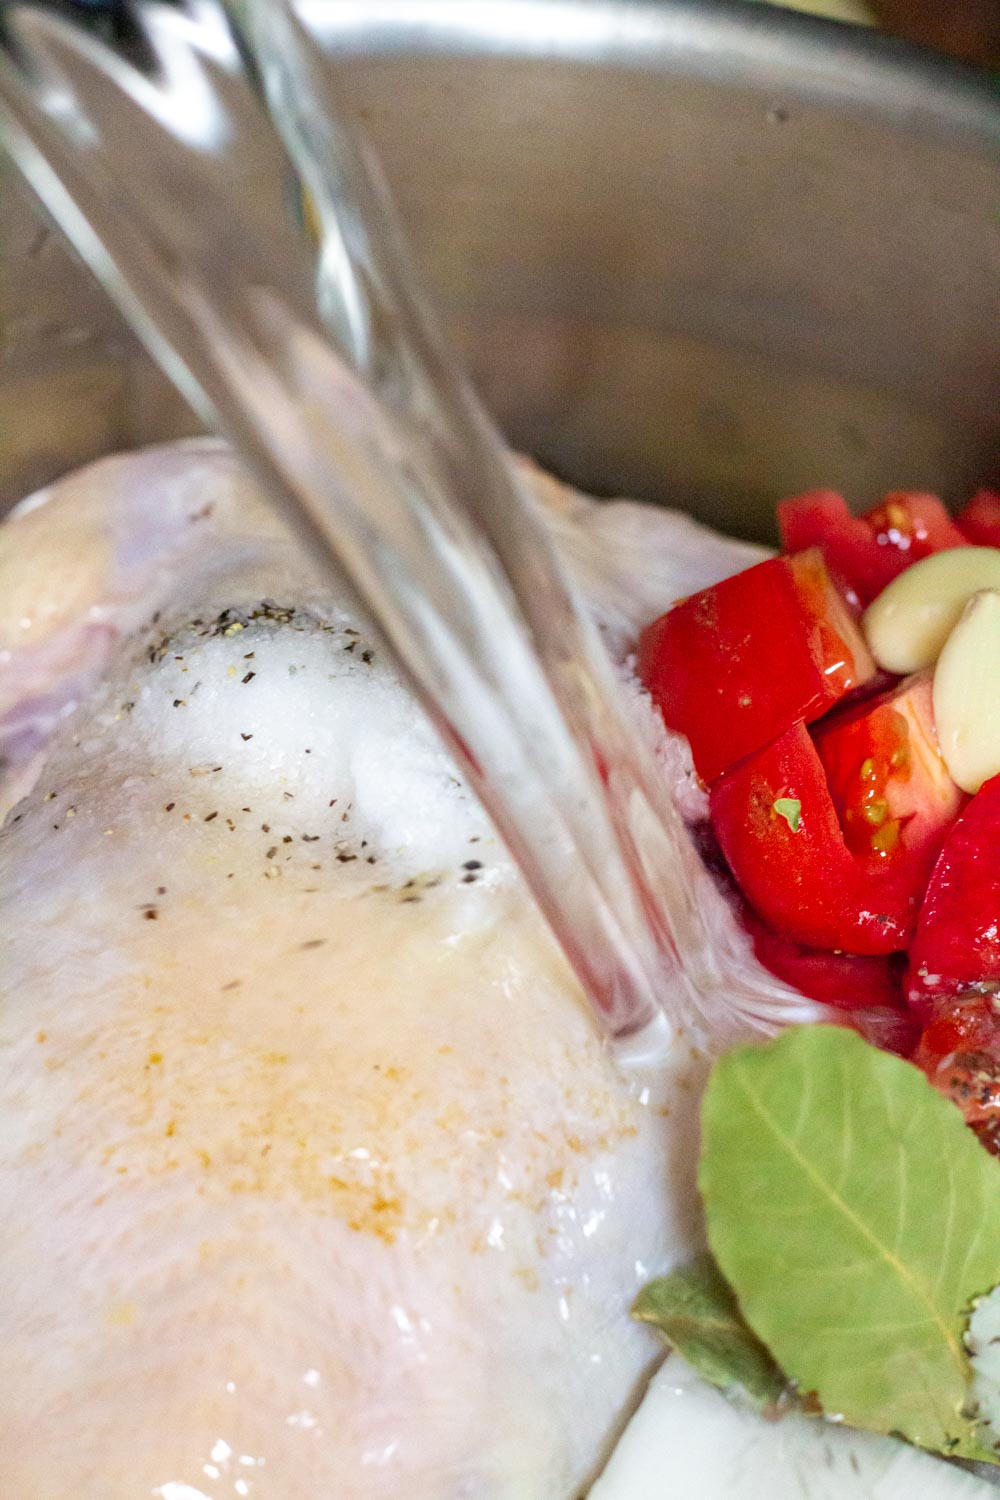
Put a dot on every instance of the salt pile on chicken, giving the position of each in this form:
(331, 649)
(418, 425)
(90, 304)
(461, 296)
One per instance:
(316, 1178)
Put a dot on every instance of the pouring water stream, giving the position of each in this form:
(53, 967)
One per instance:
(316, 356)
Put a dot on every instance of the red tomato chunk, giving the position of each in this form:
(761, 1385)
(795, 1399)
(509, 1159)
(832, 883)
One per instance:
(979, 522)
(866, 992)
(844, 980)
(864, 876)
(957, 942)
(731, 667)
(960, 1053)
(890, 786)
(867, 552)
(777, 826)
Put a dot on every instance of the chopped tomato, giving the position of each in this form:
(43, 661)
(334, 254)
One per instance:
(821, 518)
(865, 994)
(960, 1053)
(777, 826)
(979, 522)
(909, 525)
(846, 981)
(734, 665)
(890, 786)
(957, 941)
(866, 552)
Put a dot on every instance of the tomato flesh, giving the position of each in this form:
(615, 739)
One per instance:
(979, 522)
(890, 786)
(865, 877)
(909, 525)
(867, 552)
(957, 941)
(865, 993)
(846, 981)
(821, 518)
(797, 871)
(960, 1053)
(732, 666)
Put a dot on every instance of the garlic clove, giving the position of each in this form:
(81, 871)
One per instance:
(909, 622)
(966, 693)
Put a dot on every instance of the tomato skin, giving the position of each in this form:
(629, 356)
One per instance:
(804, 883)
(867, 552)
(959, 1051)
(909, 525)
(957, 941)
(732, 666)
(821, 518)
(847, 981)
(890, 786)
(979, 522)
(866, 993)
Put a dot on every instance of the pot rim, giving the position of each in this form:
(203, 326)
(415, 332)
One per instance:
(793, 55)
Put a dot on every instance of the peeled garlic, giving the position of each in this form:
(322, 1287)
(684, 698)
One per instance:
(967, 693)
(909, 622)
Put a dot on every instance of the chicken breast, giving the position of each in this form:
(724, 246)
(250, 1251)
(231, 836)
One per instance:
(316, 1179)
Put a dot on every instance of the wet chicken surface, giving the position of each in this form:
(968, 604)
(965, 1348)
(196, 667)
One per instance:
(315, 1178)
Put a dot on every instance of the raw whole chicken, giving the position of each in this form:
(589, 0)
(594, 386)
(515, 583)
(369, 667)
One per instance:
(315, 1177)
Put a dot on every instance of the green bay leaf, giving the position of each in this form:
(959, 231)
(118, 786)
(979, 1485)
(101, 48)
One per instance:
(856, 1217)
(695, 1310)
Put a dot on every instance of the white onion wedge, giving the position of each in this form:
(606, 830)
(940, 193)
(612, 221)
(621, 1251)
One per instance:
(687, 1442)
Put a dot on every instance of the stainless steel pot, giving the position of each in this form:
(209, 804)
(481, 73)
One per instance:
(705, 253)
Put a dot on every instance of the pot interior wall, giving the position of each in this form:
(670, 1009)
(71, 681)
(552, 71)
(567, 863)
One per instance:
(706, 282)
